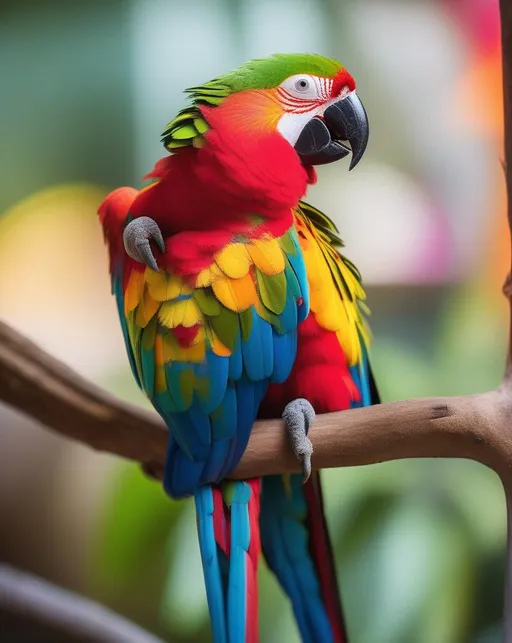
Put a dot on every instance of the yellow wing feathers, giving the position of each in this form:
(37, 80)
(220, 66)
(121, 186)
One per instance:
(336, 293)
(237, 279)
(184, 320)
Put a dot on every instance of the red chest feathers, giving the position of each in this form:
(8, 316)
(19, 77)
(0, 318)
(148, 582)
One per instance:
(320, 374)
(234, 185)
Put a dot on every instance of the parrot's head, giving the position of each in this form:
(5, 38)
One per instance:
(308, 100)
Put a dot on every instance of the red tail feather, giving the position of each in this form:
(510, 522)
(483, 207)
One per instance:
(321, 552)
(252, 629)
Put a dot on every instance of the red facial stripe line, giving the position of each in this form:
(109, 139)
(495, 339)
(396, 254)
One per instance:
(298, 105)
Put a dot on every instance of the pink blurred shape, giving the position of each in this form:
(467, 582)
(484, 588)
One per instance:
(480, 19)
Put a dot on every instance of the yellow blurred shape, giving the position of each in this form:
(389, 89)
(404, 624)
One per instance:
(54, 282)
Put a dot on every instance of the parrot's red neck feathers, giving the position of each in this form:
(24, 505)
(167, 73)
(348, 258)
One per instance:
(242, 181)
(113, 212)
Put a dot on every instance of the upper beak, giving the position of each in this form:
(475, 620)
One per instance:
(320, 140)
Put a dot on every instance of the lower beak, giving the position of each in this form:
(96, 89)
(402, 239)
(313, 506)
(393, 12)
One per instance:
(320, 141)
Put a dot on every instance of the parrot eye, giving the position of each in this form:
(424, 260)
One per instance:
(302, 85)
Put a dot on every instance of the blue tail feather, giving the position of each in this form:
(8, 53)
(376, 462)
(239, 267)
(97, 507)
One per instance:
(286, 546)
(230, 587)
(211, 567)
(240, 537)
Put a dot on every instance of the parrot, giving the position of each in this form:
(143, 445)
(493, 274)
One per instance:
(236, 304)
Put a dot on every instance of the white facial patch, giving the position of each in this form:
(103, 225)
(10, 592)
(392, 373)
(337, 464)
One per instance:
(291, 125)
(303, 97)
(303, 92)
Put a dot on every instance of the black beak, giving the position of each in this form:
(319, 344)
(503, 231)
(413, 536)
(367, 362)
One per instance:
(320, 140)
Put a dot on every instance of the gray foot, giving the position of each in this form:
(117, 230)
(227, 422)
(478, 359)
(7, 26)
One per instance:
(136, 238)
(298, 416)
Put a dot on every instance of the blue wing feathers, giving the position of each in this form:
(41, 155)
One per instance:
(225, 433)
(360, 373)
(181, 473)
(213, 469)
(214, 372)
(257, 351)
(223, 419)
(254, 392)
(147, 356)
(208, 404)
(234, 388)
(364, 378)
(177, 401)
(285, 351)
(235, 361)
(299, 267)
(197, 427)
(289, 317)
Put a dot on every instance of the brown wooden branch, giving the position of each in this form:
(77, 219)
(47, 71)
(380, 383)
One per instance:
(31, 609)
(473, 427)
(478, 427)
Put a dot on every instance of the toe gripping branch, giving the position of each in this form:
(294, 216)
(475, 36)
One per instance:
(137, 237)
(298, 417)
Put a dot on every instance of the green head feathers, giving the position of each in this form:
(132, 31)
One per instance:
(265, 73)
(261, 73)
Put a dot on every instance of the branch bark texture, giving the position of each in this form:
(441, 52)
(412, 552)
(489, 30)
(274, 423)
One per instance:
(469, 427)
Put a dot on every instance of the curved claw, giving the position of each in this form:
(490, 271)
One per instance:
(298, 417)
(136, 238)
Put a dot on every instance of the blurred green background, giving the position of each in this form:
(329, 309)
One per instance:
(86, 89)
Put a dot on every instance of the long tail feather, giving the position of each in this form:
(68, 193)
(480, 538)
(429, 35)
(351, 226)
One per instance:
(227, 519)
(211, 539)
(321, 551)
(296, 545)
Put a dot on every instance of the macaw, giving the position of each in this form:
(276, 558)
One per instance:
(236, 304)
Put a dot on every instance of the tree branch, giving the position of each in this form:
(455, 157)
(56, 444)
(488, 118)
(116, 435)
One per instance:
(476, 427)
(469, 427)
(26, 601)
